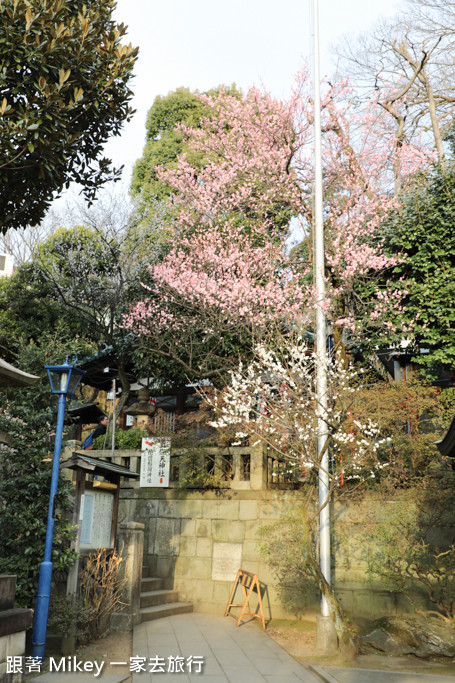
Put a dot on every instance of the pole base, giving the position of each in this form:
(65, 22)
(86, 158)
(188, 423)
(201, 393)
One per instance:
(326, 637)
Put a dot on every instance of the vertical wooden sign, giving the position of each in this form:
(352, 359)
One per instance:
(155, 461)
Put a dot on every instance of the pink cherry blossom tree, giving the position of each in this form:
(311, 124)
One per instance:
(220, 287)
(229, 264)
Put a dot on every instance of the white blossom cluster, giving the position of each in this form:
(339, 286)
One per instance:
(274, 398)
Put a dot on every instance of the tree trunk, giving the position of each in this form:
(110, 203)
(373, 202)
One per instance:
(348, 647)
(126, 388)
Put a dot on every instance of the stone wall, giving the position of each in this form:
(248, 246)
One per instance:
(197, 540)
(14, 623)
(188, 535)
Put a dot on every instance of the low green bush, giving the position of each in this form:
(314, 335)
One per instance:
(125, 439)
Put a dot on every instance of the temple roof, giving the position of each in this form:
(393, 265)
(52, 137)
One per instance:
(12, 377)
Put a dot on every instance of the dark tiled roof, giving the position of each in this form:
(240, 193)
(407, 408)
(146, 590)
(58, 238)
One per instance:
(97, 466)
(12, 377)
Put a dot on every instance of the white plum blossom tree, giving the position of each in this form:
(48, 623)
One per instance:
(273, 398)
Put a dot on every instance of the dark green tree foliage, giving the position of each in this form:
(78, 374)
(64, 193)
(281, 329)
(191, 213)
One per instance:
(91, 274)
(29, 416)
(82, 271)
(163, 143)
(64, 77)
(28, 310)
(424, 232)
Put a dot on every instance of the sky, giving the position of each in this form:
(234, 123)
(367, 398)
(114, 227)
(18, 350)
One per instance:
(204, 43)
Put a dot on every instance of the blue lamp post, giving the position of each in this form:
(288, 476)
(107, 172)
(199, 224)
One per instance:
(64, 380)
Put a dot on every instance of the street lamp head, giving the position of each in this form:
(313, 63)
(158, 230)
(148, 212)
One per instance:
(65, 378)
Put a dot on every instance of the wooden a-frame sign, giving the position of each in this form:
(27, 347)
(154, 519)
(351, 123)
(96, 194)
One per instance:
(249, 583)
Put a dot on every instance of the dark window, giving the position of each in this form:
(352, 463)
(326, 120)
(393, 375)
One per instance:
(210, 464)
(175, 470)
(227, 467)
(245, 467)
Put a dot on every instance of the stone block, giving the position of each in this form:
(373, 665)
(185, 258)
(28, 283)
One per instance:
(347, 600)
(403, 606)
(167, 538)
(226, 561)
(200, 568)
(184, 589)
(265, 574)
(16, 644)
(14, 621)
(270, 510)
(221, 592)
(180, 509)
(204, 547)
(188, 546)
(251, 527)
(165, 567)
(207, 608)
(202, 591)
(182, 568)
(191, 509)
(131, 542)
(353, 575)
(270, 595)
(367, 603)
(149, 540)
(250, 552)
(228, 531)
(203, 527)
(248, 509)
(125, 511)
(188, 527)
(145, 509)
(3, 648)
(150, 562)
(7, 591)
(220, 509)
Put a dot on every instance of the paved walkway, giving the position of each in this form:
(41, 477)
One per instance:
(178, 647)
(242, 654)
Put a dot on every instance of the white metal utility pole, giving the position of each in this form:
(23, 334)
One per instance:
(321, 344)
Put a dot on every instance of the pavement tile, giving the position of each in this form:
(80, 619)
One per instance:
(269, 666)
(241, 676)
(286, 678)
(232, 654)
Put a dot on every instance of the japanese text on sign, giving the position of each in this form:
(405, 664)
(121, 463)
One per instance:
(155, 461)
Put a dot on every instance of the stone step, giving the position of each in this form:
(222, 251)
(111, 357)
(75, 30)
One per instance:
(159, 611)
(158, 597)
(151, 583)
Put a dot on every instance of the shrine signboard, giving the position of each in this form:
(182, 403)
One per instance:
(96, 515)
(155, 461)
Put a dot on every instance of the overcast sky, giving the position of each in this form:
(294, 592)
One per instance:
(203, 43)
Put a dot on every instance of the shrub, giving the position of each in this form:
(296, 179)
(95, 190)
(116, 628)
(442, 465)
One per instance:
(101, 588)
(411, 549)
(64, 612)
(284, 546)
(125, 439)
